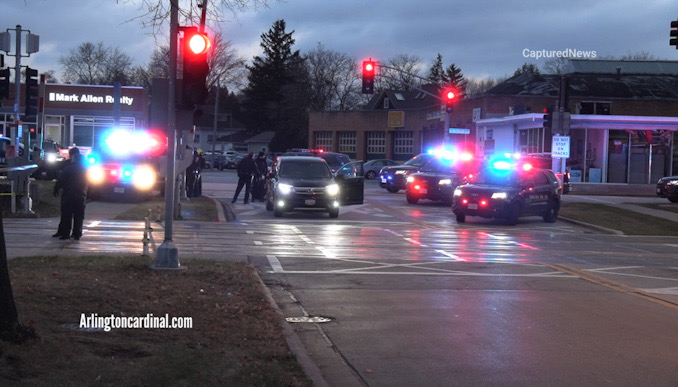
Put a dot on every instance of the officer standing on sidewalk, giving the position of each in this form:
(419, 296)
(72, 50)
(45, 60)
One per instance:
(73, 181)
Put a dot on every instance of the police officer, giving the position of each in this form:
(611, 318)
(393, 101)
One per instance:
(73, 181)
(246, 169)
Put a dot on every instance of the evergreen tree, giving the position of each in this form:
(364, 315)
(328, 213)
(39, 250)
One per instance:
(455, 79)
(276, 97)
(436, 73)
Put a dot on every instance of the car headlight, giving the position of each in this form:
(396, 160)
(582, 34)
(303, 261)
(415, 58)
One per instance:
(51, 157)
(457, 192)
(445, 182)
(143, 177)
(332, 189)
(410, 179)
(96, 175)
(284, 189)
(499, 195)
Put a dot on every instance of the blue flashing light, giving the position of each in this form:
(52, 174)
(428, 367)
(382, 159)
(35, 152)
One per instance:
(502, 165)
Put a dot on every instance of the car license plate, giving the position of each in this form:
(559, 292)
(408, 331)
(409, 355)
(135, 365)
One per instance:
(118, 189)
(309, 202)
(383, 180)
(472, 206)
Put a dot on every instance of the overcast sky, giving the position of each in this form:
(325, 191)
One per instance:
(483, 38)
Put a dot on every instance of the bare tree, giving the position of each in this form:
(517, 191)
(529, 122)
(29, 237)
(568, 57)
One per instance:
(84, 64)
(333, 76)
(477, 87)
(227, 68)
(155, 13)
(403, 72)
(96, 64)
(556, 65)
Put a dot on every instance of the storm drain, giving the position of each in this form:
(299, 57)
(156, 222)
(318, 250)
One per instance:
(308, 319)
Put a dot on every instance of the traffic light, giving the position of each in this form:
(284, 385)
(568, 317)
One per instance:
(31, 102)
(368, 76)
(548, 118)
(195, 46)
(674, 34)
(4, 84)
(449, 96)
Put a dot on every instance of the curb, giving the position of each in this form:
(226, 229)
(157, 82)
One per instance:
(293, 341)
(594, 227)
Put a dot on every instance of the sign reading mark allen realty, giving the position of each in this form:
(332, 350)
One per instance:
(88, 98)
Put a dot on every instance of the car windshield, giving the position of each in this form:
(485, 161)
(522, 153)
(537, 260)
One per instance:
(304, 170)
(336, 161)
(440, 166)
(498, 177)
(417, 161)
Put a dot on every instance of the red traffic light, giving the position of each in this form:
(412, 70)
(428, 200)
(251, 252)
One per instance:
(368, 76)
(199, 43)
(449, 96)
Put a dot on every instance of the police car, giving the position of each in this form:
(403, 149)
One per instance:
(394, 178)
(439, 176)
(667, 187)
(508, 190)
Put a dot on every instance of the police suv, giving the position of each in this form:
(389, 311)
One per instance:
(508, 190)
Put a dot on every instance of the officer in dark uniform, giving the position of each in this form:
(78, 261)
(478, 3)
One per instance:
(73, 181)
(246, 169)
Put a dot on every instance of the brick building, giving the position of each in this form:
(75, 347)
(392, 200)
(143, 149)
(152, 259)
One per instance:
(624, 121)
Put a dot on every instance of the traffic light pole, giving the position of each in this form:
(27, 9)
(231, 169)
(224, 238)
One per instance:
(167, 256)
(446, 129)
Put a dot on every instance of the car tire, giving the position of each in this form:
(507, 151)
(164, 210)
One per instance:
(370, 175)
(673, 199)
(412, 199)
(461, 218)
(392, 190)
(551, 214)
(277, 213)
(513, 214)
(334, 213)
(269, 205)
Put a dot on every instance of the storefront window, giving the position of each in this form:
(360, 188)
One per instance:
(86, 130)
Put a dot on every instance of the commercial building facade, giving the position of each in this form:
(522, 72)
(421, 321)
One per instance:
(77, 114)
(624, 120)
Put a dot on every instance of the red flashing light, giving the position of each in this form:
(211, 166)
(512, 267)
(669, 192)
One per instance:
(464, 201)
(483, 203)
(527, 167)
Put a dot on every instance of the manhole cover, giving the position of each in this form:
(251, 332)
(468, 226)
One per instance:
(308, 319)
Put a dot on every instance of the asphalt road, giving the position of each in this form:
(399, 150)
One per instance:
(410, 297)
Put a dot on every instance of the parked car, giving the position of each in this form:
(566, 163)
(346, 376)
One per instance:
(667, 187)
(437, 179)
(232, 163)
(507, 191)
(373, 167)
(394, 178)
(307, 183)
(219, 161)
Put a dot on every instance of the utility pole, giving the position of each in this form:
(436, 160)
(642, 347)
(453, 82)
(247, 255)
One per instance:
(167, 256)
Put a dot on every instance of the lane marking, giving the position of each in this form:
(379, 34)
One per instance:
(450, 255)
(274, 263)
(258, 243)
(94, 223)
(616, 286)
